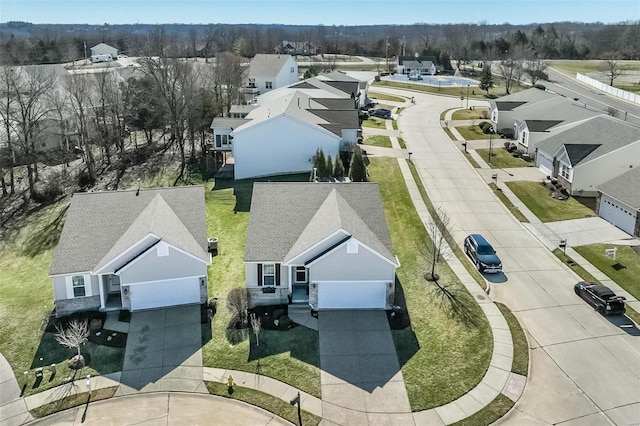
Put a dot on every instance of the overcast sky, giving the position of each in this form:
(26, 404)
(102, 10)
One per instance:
(343, 12)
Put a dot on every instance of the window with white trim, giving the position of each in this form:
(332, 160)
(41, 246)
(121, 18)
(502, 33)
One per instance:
(78, 286)
(301, 274)
(268, 85)
(222, 141)
(268, 274)
(565, 171)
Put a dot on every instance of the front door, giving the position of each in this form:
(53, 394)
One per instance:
(114, 284)
(300, 288)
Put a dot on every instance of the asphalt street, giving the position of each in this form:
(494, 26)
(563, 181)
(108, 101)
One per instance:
(585, 369)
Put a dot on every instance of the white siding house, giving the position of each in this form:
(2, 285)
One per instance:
(104, 49)
(586, 155)
(319, 244)
(132, 250)
(268, 72)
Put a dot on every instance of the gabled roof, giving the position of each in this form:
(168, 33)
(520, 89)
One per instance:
(337, 120)
(289, 218)
(579, 151)
(227, 122)
(508, 105)
(265, 65)
(541, 125)
(418, 64)
(242, 109)
(624, 188)
(608, 133)
(402, 60)
(333, 103)
(101, 225)
(101, 45)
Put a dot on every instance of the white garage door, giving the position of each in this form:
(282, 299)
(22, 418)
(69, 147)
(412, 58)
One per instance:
(545, 163)
(620, 216)
(352, 295)
(164, 293)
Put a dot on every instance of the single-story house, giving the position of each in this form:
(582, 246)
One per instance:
(504, 111)
(104, 49)
(618, 201)
(540, 120)
(424, 65)
(267, 72)
(325, 245)
(590, 153)
(132, 250)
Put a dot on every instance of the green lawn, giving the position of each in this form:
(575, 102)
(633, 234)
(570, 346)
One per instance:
(588, 66)
(470, 133)
(520, 363)
(471, 114)
(625, 270)
(498, 89)
(489, 414)
(385, 97)
(508, 204)
(378, 140)
(402, 144)
(501, 158)
(579, 270)
(440, 357)
(536, 198)
(289, 356)
(265, 401)
(375, 122)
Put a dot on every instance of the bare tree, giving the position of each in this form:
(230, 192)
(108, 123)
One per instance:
(79, 88)
(29, 87)
(536, 68)
(437, 227)
(510, 70)
(174, 80)
(73, 336)
(612, 69)
(256, 326)
(6, 78)
(228, 78)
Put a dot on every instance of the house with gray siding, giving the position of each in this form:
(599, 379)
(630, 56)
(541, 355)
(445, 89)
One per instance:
(132, 250)
(325, 245)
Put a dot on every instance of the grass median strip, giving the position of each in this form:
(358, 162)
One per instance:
(378, 140)
(436, 347)
(520, 363)
(263, 400)
(71, 401)
(489, 414)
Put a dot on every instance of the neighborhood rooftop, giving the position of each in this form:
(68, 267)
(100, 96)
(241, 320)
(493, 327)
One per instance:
(624, 188)
(264, 65)
(289, 217)
(100, 225)
(608, 133)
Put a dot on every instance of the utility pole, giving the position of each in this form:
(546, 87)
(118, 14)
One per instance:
(386, 53)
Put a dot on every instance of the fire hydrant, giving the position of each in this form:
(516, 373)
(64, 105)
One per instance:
(230, 384)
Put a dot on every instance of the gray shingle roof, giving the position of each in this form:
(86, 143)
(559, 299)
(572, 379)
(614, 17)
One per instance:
(100, 225)
(338, 120)
(509, 105)
(287, 218)
(607, 132)
(541, 125)
(624, 188)
(263, 65)
(227, 122)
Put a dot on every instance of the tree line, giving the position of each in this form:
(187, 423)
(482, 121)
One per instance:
(25, 43)
(98, 116)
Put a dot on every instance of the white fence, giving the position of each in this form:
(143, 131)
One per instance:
(622, 94)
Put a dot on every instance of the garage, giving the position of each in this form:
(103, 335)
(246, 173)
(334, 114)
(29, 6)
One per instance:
(545, 163)
(618, 214)
(352, 295)
(158, 294)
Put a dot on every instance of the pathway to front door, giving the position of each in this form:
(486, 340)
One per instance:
(360, 375)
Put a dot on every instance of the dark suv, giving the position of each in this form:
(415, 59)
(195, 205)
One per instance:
(602, 298)
(482, 254)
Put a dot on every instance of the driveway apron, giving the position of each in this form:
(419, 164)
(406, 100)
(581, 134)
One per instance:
(360, 374)
(164, 351)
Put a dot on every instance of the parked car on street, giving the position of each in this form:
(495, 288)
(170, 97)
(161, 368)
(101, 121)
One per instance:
(382, 112)
(602, 298)
(482, 254)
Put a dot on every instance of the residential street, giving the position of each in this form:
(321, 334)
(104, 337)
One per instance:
(584, 368)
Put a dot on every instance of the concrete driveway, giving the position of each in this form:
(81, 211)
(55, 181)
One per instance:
(360, 375)
(164, 351)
